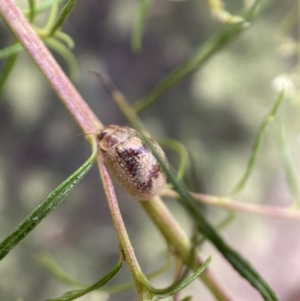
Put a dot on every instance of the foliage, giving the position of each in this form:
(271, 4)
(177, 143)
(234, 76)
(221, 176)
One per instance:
(183, 249)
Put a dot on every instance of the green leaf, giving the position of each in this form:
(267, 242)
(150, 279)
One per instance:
(198, 240)
(10, 50)
(289, 166)
(50, 264)
(46, 207)
(42, 7)
(78, 293)
(7, 69)
(136, 41)
(258, 142)
(66, 54)
(181, 151)
(65, 38)
(206, 51)
(176, 287)
(188, 298)
(31, 10)
(63, 16)
(52, 15)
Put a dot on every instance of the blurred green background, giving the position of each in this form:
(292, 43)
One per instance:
(215, 113)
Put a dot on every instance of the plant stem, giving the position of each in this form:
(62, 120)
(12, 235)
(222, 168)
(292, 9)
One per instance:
(87, 120)
(160, 214)
(175, 236)
(284, 213)
(124, 240)
(57, 79)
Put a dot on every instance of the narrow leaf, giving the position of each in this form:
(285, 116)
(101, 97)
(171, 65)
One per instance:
(136, 41)
(201, 55)
(289, 166)
(63, 16)
(188, 298)
(71, 295)
(66, 54)
(236, 260)
(65, 38)
(258, 142)
(10, 50)
(176, 287)
(31, 10)
(7, 69)
(52, 15)
(51, 265)
(46, 207)
(42, 7)
(182, 153)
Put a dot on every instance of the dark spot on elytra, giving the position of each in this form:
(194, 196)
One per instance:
(153, 174)
(155, 171)
(130, 159)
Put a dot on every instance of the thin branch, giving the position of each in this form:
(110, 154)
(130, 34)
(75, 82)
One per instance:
(124, 240)
(174, 235)
(57, 79)
(284, 213)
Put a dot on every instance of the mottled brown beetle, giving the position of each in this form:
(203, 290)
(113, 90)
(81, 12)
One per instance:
(131, 163)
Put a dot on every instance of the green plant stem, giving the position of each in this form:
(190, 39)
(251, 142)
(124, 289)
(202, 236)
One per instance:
(56, 78)
(175, 236)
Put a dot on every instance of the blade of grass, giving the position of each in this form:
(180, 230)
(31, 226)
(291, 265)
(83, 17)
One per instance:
(257, 144)
(81, 292)
(139, 23)
(206, 51)
(7, 70)
(63, 16)
(46, 207)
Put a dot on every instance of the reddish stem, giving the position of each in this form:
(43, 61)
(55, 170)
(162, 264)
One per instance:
(56, 78)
